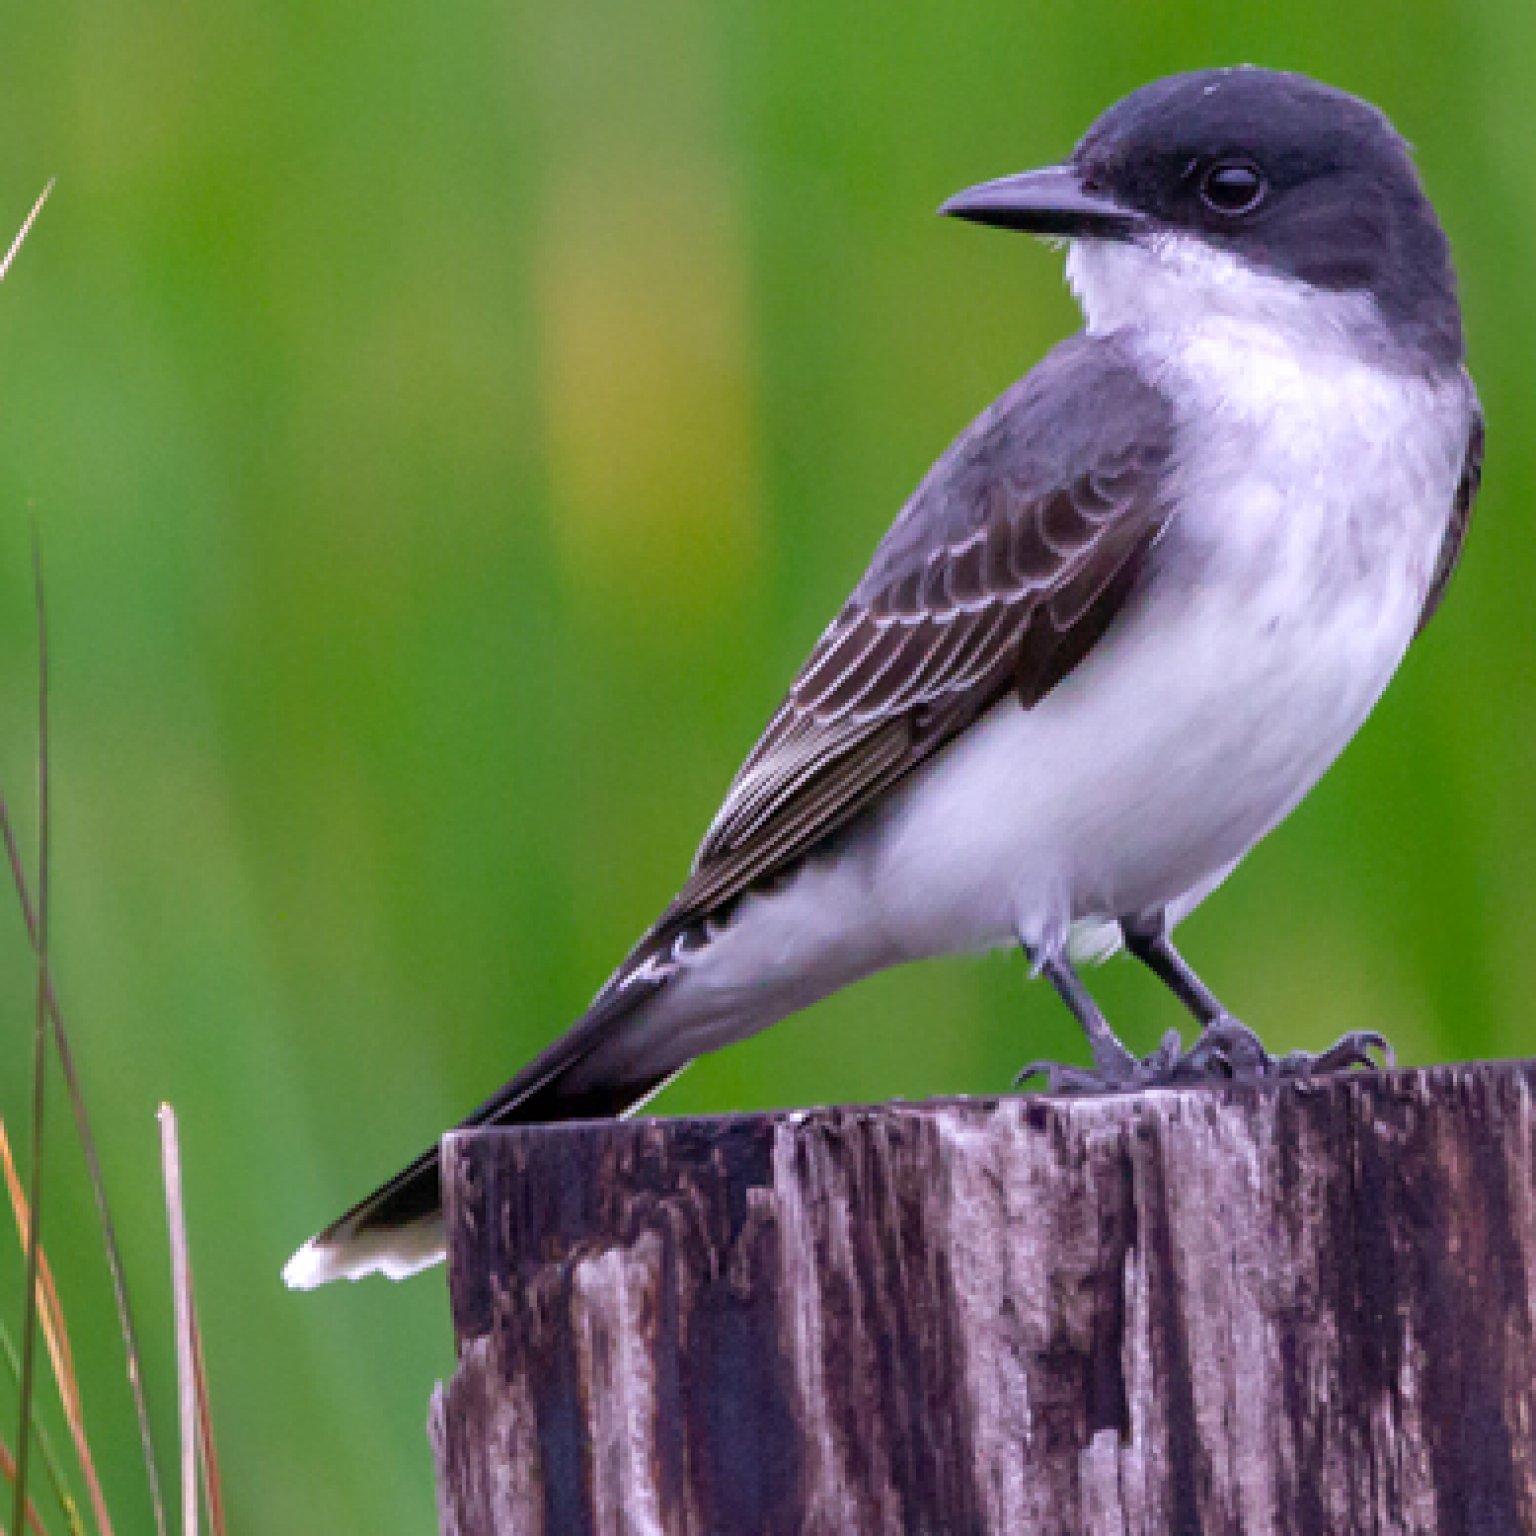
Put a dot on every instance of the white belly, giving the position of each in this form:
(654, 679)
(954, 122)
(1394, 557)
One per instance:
(1160, 762)
(1279, 604)
(1313, 503)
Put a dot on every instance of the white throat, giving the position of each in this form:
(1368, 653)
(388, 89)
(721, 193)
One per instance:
(1172, 283)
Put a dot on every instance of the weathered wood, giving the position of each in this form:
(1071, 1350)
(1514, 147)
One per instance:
(1299, 1310)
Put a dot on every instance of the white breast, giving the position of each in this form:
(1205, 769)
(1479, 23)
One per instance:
(1314, 486)
(1314, 490)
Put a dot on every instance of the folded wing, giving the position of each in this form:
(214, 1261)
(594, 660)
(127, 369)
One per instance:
(1010, 561)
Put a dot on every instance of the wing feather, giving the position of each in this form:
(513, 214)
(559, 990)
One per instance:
(1460, 521)
(1008, 564)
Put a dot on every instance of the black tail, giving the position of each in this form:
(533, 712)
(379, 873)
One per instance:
(398, 1229)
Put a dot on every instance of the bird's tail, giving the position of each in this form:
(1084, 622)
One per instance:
(398, 1229)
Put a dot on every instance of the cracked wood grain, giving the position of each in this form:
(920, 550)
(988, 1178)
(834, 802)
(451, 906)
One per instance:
(1305, 1309)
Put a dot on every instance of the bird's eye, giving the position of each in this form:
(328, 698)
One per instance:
(1232, 187)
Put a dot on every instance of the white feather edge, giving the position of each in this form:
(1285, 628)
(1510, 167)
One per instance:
(396, 1254)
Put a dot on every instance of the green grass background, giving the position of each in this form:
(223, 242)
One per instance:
(449, 426)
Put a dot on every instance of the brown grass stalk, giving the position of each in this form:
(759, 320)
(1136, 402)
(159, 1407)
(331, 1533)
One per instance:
(8, 1472)
(33, 1242)
(48, 1009)
(126, 1325)
(56, 1338)
(213, 1481)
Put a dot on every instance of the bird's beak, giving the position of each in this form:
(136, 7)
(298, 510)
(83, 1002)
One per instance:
(1052, 201)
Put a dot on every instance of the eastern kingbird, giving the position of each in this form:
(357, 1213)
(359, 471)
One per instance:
(1118, 632)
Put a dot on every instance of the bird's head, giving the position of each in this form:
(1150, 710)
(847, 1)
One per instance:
(1243, 192)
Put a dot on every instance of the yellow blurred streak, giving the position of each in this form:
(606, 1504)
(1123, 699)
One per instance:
(648, 369)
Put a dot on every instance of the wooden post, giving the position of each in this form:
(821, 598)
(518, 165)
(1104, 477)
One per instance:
(1306, 1309)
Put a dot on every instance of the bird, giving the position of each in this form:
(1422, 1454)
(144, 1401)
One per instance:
(1118, 632)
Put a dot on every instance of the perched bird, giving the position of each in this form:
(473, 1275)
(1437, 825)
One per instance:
(1116, 635)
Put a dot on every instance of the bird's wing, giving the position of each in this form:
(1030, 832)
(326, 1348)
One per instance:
(1007, 565)
(1461, 520)
(1001, 573)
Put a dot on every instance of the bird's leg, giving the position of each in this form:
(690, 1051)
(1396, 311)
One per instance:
(1147, 939)
(1227, 1048)
(1115, 1069)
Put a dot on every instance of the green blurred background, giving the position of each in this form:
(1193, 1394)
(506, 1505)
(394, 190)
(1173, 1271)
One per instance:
(449, 427)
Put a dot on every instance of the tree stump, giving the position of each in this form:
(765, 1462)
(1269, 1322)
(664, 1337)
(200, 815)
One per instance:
(1299, 1309)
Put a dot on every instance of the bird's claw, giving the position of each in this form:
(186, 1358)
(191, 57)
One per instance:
(1226, 1052)
(1359, 1048)
(1111, 1073)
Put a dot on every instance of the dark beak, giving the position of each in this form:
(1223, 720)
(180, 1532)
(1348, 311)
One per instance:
(1053, 201)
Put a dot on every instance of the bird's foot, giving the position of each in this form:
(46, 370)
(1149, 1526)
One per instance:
(1229, 1050)
(1114, 1070)
(1226, 1052)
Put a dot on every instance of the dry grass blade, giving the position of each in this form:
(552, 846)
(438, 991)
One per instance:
(74, 1522)
(213, 1481)
(25, 230)
(8, 1472)
(181, 1294)
(124, 1306)
(34, 926)
(33, 1223)
(52, 1312)
(56, 1337)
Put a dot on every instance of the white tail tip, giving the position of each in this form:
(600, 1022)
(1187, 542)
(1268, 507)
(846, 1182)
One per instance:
(395, 1254)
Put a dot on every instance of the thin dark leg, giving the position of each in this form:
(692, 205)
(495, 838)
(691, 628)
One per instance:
(1147, 939)
(1227, 1048)
(1110, 1057)
(1115, 1069)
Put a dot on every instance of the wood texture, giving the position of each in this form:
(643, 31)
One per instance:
(1236, 1310)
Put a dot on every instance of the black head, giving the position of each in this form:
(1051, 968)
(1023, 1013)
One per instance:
(1294, 176)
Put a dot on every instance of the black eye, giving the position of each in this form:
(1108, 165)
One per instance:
(1232, 187)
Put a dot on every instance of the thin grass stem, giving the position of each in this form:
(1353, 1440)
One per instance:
(127, 1327)
(34, 1521)
(30, 917)
(51, 1463)
(34, 1242)
(208, 1460)
(56, 1337)
(181, 1295)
